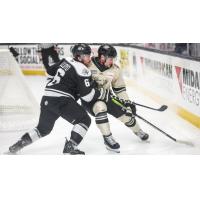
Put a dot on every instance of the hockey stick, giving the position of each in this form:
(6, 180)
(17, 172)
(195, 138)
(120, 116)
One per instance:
(121, 102)
(161, 109)
(169, 136)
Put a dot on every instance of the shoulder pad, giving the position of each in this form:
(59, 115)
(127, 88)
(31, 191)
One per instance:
(80, 68)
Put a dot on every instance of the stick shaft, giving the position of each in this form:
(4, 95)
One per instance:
(121, 102)
(162, 108)
(169, 136)
(157, 109)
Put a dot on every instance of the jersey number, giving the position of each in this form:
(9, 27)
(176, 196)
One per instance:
(56, 80)
(87, 82)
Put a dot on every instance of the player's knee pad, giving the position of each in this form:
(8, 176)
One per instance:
(100, 111)
(128, 120)
(86, 120)
(83, 119)
(99, 107)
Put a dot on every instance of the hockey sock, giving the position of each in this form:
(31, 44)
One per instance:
(78, 133)
(34, 134)
(103, 123)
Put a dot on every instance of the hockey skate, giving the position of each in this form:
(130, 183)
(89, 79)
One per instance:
(142, 135)
(71, 149)
(111, 144)
(24, 141)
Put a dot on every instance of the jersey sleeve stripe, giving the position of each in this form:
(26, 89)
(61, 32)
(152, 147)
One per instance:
(56, 93)
(89, 96)
(119, 90)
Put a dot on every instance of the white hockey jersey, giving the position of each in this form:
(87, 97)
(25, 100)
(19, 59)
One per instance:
(109, 78)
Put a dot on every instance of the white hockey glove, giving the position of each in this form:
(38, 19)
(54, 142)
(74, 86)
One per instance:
(103, 80)
(100, 79)
(104, 95)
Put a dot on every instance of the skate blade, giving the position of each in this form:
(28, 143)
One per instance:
(9, 153)
(145, 141)
(113, 150)
(186, 143)
(69, 154)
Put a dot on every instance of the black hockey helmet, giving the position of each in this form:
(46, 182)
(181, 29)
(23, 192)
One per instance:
(107, 50)
(80, 49)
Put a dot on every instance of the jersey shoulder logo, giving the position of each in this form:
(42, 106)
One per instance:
(85, 72)
(79, 67)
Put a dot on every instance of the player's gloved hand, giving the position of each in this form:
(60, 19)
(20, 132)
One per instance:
(131, 108)
(104, 95)
(100, 79)
(127, 102)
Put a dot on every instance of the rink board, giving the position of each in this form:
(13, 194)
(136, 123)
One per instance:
(185, 114)
(175, 80)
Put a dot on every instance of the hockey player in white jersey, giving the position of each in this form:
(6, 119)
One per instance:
(71, 80)
(109, 76)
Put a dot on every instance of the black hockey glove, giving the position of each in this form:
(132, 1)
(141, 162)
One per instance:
(130, 106)
(14, 52)
(104, 95)
(132, 109)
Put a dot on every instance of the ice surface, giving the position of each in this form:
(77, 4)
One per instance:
(130, 144)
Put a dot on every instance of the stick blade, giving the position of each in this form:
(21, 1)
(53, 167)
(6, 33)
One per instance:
(185, 142)
(163, 108)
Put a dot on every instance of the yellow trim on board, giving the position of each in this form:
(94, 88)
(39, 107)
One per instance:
(34, 72)
(185, 114)
(194, 119)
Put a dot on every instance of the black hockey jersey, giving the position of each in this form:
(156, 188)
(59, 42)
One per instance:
(71, 78)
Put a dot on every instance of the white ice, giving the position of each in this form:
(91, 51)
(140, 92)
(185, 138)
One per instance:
(130, 145)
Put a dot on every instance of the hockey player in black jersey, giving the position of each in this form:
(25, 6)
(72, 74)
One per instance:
(109, 76)
(71, 80)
